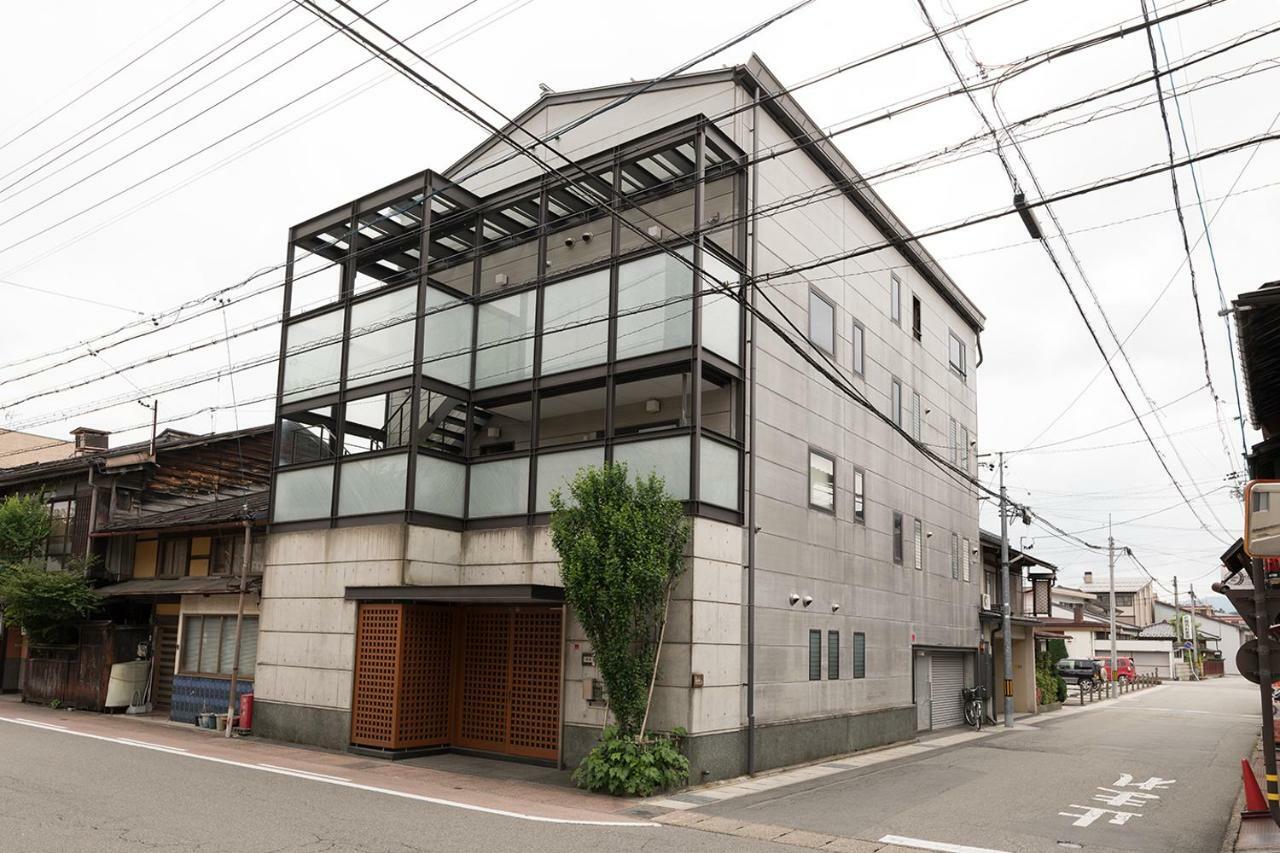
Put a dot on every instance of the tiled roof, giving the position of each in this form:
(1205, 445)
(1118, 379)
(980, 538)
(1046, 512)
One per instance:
(225, 511)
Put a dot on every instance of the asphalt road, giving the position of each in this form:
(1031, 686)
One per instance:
(64, 793)
(1007, 792)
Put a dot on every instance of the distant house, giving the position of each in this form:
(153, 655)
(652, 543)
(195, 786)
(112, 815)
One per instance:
(1223, 635)
(1135, 598)
(24, 448)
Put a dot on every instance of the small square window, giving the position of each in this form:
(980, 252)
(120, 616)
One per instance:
(833, 655)
(822, 322)
(859, 655)
(859, 339)
(895, 299)
(859, 495)
(822, 481)
(897, 538)
(815, 655)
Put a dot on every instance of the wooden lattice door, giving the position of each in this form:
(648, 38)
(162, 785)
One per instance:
(509, 686)
(402, 677)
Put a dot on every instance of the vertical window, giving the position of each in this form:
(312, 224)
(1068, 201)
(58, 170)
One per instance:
(859, 495)
(895, 402)
(822, 481)
(859, 339)
(955, 355)
(172, 559)
(953, 452)
(916, 330)
(859, 655)
(964, 448)
(966, 555)
(917, 416)
(955, 556)
(917, 534)
(815, 655)
(895, 299)
(897, 538)
(62, 522)
(822, 323)
(833, 655)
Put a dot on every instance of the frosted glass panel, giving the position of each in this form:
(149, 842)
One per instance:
(556, 470)
(718, 474)
(440, 486)
(382, 337)
(720, 313)
(303, 493)
(666, 457)
(446, 339)
(372, 485)
(569, 304)
(666, 325)
(311, 370)
(504, 339)
(499, 488)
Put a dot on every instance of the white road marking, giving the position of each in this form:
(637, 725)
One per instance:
(942, 846)
(338, 782)
(306, 774)
(148, 745)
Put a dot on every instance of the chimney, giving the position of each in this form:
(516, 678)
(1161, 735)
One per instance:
(90, 441)
(1078, 612)
(1088, 577)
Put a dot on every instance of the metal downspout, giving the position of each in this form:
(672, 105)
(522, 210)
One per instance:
(751, 449)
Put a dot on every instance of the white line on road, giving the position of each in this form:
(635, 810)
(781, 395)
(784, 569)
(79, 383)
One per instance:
(944, 847)
(334, 780)
(305, 774)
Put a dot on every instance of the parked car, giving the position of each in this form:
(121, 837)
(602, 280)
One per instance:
(1080, 670)
(1125, 670)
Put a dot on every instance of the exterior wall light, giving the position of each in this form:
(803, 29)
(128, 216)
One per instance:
(808, 599)
(793, 598)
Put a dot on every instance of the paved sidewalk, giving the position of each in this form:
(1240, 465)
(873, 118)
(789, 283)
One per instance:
(512, 797)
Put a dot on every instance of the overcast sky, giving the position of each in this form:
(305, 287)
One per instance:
(200, 220)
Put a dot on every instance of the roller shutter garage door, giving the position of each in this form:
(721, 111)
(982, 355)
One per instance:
(946, 682)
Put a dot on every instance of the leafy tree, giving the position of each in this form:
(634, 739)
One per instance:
(621, 548)
(24, 527)
(45, 604)
(1057, 650)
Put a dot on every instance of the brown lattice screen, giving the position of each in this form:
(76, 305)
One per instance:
(373, 718)
(403, 654)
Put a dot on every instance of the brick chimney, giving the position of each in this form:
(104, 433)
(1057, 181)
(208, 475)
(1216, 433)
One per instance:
(1077, 611)
(1088, 577)
(90, 441)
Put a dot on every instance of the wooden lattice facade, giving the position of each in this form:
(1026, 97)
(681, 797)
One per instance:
(485, 678)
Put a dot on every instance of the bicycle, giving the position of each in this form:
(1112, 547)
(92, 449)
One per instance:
(974, 705)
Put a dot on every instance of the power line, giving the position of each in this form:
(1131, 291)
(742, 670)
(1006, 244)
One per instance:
(70, 296)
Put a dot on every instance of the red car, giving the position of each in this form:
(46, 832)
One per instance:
(1125, 670)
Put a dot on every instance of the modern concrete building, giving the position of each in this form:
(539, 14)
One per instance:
(458, 344)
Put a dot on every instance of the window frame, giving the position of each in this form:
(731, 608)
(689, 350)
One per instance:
(814, 293)
(815, 654)
(859, 495)
(833, 655)
(895, 300)
(955, 556)
(163, 546)
(917, 320)
(961, 370)
(918, 542)
(224, 620)
(858, 341)
(859, 643)
(917, 416)
(895, 401)
(897, 536)
(967, 556)
(822, 454)
(67, 537)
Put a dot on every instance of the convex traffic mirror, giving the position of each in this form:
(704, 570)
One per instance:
(1262, 518)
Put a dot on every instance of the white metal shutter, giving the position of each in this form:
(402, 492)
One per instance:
(947, 680)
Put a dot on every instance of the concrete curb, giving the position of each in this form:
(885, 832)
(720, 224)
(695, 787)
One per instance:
(1233, 825)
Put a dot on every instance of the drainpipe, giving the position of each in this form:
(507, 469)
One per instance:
(751, 450)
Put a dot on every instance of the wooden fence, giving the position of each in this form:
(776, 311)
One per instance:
(76, 676)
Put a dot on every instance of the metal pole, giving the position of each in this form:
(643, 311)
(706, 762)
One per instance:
(1263, 621)
(244, 586)
(1111, 581)
(1177, 624)
(751, 453)
(1195, 635)
(1006, 624)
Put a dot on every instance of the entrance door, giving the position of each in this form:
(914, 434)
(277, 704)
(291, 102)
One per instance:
(164, 655)
(920, 674)
(948, 682)
(509, 692)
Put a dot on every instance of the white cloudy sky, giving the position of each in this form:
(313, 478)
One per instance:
(185, 213)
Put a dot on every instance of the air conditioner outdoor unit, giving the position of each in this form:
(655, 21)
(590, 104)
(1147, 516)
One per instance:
(986, 601)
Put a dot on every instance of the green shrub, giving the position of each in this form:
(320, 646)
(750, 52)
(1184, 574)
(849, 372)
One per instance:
(630, 767)
(1062, 688)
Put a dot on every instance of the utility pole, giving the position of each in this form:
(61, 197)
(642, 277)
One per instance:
(1111, 582)
(1006, 624)
(1195, 635)
(1177, 620)
(244, 586)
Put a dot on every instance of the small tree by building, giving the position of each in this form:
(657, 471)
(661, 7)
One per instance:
(45, 605)
(621, 546)
(24, 527)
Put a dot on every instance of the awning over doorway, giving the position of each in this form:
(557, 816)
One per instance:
(471, 594)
